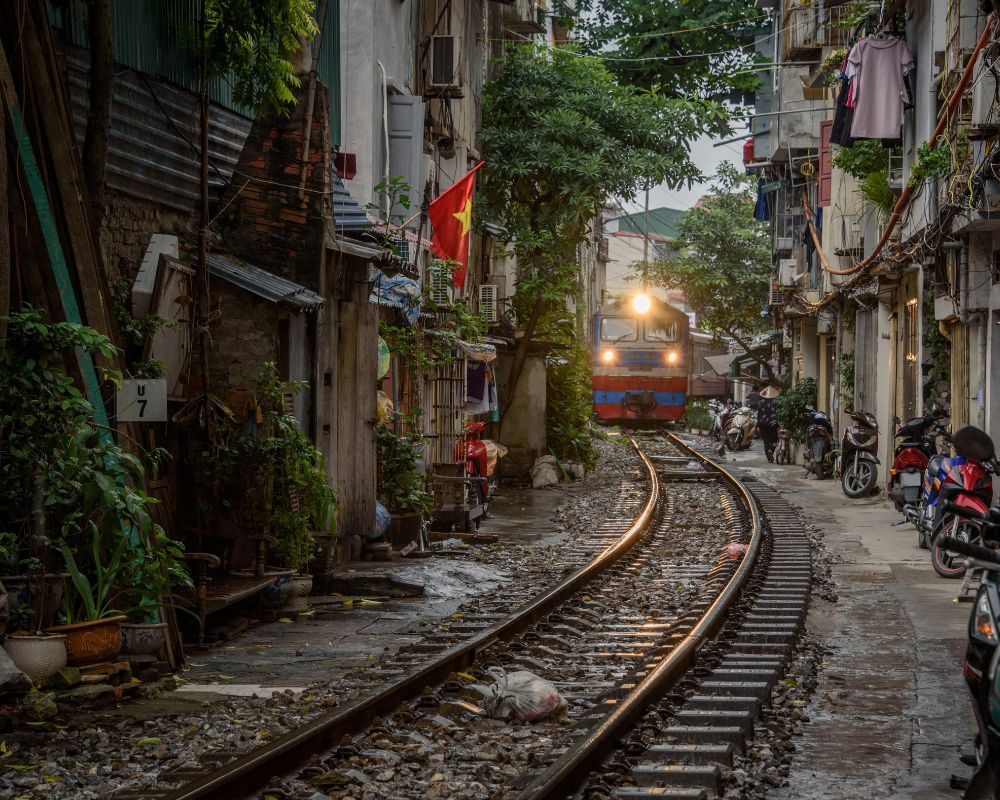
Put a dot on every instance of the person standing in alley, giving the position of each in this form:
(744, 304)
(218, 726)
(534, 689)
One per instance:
(767, 422)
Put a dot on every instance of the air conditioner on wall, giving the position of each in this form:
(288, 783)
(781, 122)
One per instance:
(444, 62)
(788, 272)
(488, 302)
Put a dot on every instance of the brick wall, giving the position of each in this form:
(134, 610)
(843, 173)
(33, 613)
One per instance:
(244, 339)
(264, 220)
(127, 226)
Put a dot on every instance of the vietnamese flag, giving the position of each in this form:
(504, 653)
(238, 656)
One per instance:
(451, 216)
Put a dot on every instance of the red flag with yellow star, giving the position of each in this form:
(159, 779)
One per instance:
(451, 216)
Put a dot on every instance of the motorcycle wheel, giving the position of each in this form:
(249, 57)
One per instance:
(733, 441)
(858, 478)
(819, 460)
(946, 563)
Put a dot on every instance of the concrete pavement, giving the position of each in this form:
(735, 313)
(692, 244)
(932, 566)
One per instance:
(891, 713)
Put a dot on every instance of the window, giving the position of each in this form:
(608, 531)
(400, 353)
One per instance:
(619, 329)
(661, 333)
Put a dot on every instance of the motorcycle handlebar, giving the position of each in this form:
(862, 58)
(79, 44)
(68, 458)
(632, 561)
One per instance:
(970, 550)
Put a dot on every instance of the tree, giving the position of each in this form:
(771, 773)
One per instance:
(676, 48)
(102, 82)
(560, 136)
(723, 263)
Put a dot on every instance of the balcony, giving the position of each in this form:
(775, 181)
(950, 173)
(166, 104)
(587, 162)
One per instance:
(807, 27)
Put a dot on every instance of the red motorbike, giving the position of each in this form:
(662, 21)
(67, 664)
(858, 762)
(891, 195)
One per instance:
(915, 449)
(480, 462)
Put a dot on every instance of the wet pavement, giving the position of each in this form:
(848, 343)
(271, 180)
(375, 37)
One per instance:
(891, 713)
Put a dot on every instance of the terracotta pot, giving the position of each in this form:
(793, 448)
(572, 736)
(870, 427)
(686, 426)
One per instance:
(27, 590)
(38, 656)
(144, 639)
(298, 599)
(92, 642)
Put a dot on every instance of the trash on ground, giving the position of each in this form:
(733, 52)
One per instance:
(522, 697)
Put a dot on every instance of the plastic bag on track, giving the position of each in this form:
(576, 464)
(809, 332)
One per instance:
(522, 697)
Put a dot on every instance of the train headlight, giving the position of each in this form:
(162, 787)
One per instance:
(671, 357)
(608, 356)
(641, 303)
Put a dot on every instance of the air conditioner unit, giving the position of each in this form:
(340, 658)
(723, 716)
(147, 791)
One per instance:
(788, 272)
(444, 62)
(440, 286)
(984, 100)
(489, 302)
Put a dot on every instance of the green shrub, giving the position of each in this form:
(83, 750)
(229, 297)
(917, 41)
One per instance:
(791, 405)
(697, 415)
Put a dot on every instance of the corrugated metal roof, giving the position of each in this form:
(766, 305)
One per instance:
(263, 283)
(347, 214)
(154, 134)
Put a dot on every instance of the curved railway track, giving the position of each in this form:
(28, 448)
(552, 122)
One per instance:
(661, 636)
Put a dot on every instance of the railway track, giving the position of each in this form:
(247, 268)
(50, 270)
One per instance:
(664, 645)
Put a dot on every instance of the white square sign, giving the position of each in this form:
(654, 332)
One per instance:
(142, 400)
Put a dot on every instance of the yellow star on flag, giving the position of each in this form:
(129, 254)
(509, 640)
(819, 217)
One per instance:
(465, 216)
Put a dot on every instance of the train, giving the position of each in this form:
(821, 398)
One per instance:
(641, 360)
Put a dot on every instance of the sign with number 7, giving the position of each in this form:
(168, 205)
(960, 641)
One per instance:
(141, 400)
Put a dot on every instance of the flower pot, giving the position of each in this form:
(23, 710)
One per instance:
(274, 595)
(144, 639)
(38, 656)
(28, 589)
(298, 598)
(92, 642)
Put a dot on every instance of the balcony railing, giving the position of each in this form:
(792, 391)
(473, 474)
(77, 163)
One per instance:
(808, 27)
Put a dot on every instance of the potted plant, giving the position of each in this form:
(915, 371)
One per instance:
(400, 482)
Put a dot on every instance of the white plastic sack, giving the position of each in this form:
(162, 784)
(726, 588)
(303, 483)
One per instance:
(522, 697)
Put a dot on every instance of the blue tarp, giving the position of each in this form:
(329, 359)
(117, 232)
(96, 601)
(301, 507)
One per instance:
(398, 292)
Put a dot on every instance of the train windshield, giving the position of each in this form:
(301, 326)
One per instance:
(661, 332)
(619, 329)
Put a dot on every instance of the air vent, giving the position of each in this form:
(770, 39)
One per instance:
(444, 62)
(440, 287)
(402, 247)
(488, 302)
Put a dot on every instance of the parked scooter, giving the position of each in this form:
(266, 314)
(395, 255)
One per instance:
(915, 449)
(819, 442)
(858, 459)
(481, 457)
(982, 656)
(783, 450)
(721, 415)
(742, 426)
(963, 480)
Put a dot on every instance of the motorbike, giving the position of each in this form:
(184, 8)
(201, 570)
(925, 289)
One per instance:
(742, 426)
(858, 458)
(981, 667)
(481, 456)
(721, 414)
(915, 449)
(963, 480)
(819, 441)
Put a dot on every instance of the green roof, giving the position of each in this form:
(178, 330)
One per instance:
(662, 222)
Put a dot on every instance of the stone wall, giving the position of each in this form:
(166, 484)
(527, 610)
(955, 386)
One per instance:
(522, 431)
(243, 340)
(127, 226)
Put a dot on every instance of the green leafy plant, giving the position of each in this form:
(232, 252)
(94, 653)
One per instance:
(875, 188)
(930, 164)
(697, 415)
(790, 407)
(830, 68)
(570, 407)
(399, 480)
(95, 598)
(845, 367)
(136, 331)
(864, 157)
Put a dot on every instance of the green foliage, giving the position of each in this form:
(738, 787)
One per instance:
(724, 263)
(136, 331)
(846, 368)
(255, 42)
(697, 415)
(930, 164)
(567, 422)
(400, 484)
(63, 485)
(874, 188)
(937, 350)
(264, 463)
(862, 158)
(790, 407)
(830, 68)
(677, 48)
(560, 137)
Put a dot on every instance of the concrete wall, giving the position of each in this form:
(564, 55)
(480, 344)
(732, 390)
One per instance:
(523, 427)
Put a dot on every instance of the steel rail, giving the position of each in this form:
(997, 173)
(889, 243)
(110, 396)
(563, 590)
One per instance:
(568, 773)
(252, 771)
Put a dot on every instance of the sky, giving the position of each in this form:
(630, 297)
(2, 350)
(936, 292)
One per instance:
(708, 159)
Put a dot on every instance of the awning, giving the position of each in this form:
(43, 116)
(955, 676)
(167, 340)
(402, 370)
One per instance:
(263, 283)
(355, 248)
(721, 364)
(347, 214)
(478, 352)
